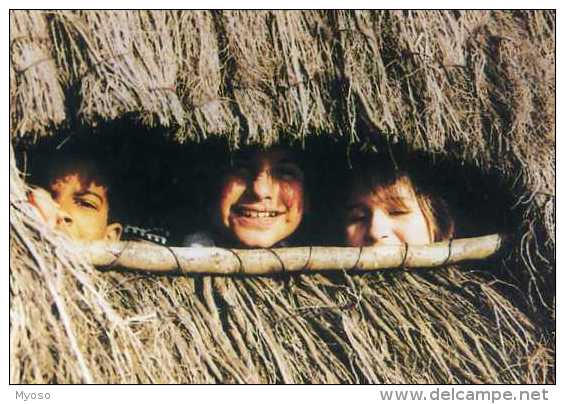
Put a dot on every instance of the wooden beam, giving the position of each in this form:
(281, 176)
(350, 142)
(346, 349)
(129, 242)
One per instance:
(143, 256)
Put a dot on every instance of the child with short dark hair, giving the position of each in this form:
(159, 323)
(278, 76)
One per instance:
(74, 197)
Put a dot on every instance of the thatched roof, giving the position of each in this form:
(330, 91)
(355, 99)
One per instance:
(476, 86)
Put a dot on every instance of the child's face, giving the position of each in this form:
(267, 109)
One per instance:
(388, 215)
(262, 198)
(83, 209)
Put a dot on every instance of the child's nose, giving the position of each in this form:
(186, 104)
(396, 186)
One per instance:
(64, 220)
(263, 185)
(381, 229)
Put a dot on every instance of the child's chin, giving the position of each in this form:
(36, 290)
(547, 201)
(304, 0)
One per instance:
(254, 239)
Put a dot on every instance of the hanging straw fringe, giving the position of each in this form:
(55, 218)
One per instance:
(126, 63)
(211, 260)
(36, 96)
(279, 72)
(200, 81)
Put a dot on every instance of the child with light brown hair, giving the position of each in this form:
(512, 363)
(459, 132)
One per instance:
(389, 204)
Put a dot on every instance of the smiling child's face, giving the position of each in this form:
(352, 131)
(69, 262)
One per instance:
(390, 214)
(262, 198)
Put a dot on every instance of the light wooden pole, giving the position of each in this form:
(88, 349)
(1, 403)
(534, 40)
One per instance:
(143, 256)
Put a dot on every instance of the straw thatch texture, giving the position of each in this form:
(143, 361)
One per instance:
(36, 97)
(200, 80)
(477, 86)
(126, 56)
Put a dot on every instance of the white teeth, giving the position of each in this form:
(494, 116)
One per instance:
(257, 214)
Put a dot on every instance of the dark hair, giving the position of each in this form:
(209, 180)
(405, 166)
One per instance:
(90, 169)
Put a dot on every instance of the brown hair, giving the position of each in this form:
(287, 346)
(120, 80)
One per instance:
(382, 177)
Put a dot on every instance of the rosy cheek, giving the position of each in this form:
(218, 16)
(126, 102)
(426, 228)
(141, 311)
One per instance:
(292, 195)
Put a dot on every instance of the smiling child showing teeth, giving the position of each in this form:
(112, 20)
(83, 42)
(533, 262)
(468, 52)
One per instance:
(261, 200)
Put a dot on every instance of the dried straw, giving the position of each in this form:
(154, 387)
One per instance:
(36, 97)
(200, 80)
(125, 62)
(477, 86)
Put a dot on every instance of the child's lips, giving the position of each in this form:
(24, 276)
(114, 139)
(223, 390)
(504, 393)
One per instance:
(253, 217)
